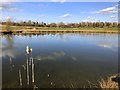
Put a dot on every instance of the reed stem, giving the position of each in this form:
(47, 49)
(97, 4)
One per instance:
(20, 77)
(33, 74)
(27, 71)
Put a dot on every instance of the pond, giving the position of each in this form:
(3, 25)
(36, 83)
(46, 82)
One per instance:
(61, 60)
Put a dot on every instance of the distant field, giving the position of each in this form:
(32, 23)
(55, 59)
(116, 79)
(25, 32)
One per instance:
(54, 28)
(33, 29)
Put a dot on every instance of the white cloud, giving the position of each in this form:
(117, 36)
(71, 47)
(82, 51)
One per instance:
(2, 1)
(85, 20)
(90, 19)
(21, 19)
(66, 16)
(109, 10)
(42, 16)
(58, 1)
(7, 6)
(15, 10)
(112, 16)
(8, 18)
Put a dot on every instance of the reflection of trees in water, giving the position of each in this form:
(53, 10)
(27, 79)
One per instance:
(61, 36)
(8, 49)
(10, 41)
(64, 37)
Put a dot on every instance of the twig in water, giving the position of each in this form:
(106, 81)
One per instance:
(27, 72)
(33, 74)
(20, 77)
(11, 64)
(48, 76)
(10, 61)
(24, 67)
(35, 87)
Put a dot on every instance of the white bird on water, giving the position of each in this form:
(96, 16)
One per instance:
(28, 50)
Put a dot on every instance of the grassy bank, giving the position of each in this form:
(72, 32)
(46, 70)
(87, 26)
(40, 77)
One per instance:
(32, 29)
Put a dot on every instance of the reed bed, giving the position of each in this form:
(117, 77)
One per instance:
(109, 83)
(103, 84)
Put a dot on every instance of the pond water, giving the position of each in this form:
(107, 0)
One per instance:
(70, 60)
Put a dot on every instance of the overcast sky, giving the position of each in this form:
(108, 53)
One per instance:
(61, 11)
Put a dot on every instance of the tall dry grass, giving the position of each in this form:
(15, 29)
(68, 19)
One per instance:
(108, 83)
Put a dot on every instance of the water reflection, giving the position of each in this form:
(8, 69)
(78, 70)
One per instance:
(8, 47)
(83, 57)
(74, 58)
(108, 45)
(52, 56)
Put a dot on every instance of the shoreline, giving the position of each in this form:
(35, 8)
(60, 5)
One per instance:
(35, 31)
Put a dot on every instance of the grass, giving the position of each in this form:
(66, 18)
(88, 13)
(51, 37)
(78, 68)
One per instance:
(102, 84)
(56, 28)
(105, 83)
(108, 83)
(43, 30)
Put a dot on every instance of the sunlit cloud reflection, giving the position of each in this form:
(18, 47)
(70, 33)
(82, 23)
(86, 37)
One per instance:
(7, 52)
(52, 56)
(108, 45)
(74, 58)
(8, 48)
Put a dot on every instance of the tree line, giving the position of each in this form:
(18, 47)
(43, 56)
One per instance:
(63, 25)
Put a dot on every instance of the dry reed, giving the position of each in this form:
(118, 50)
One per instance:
(108, 83)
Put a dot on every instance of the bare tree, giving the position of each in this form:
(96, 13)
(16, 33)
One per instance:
(8, 23)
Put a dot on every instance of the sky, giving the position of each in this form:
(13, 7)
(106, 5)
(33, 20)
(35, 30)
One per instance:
(68, 12)
(59, 1)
